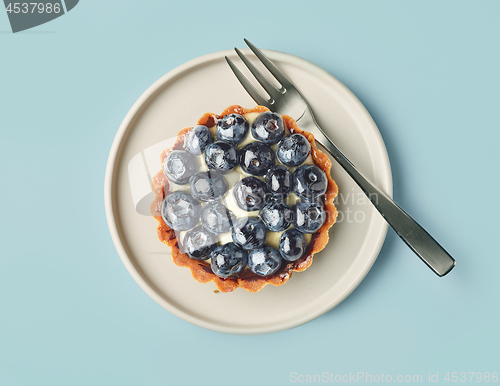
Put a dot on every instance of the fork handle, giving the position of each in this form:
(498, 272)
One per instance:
(416, 237)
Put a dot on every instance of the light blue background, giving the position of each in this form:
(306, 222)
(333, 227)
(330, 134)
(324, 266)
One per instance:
(70, 313)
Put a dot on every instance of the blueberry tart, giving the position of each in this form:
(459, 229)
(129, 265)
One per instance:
(244, 199)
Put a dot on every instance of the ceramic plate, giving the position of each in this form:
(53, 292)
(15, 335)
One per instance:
(177, 100)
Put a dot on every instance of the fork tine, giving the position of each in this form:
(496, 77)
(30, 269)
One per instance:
(268, 86)
(247, 85)
(270, 66)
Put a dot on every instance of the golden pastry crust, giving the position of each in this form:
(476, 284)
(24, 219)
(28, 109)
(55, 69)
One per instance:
(247, 280)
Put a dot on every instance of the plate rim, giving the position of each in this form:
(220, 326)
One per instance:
(110, 178)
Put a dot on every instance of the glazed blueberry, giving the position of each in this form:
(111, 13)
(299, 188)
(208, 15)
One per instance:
(276, 216)
(268, 127)
(180, 166)
(249, 233)
(264, 261)
(228, 260)
(309, 182)
(279, 181)
(180, 211)
(208, 186)
(256, 158)
(198, 243)
(221, 156)
(216, 218)
(232, 128)
(309, 216)
(293, 150)
(198, 139)
(250, 194)
(292, 245)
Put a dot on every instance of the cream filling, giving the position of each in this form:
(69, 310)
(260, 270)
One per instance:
(232, 179)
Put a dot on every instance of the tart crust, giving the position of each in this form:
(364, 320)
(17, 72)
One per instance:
(247, 280)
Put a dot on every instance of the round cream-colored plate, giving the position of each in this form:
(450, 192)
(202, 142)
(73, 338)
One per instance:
(177, 100)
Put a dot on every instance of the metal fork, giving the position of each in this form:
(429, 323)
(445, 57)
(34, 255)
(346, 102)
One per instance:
(288, 100)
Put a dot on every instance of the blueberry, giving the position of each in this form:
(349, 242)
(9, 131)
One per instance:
(309, 182)
(180, 211)
(249, 233)
(268, 127)
(292, 245)
(198, 139)
(276, 216)
(208, 186)
(216, 218)
(309, 216)
(250, 194)
(256, 158)
(232, 128)
(180, 166)
(228, 260)
(198, 243)
(293, 150)
(221, 156)
(264, 261)
(279, 181)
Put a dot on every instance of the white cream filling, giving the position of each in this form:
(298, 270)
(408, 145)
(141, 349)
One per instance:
(232, 179)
